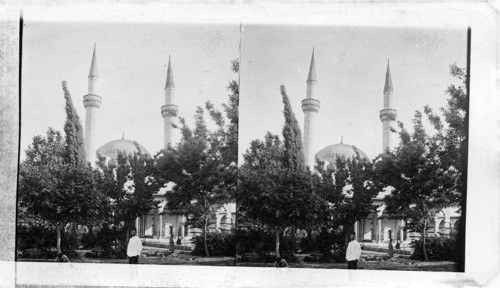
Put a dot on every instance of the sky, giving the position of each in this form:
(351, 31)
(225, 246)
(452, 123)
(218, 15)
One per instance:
(132, 62)
(351, 65)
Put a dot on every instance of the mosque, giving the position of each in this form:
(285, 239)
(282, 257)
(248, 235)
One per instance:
(158, 223)
(377, 228)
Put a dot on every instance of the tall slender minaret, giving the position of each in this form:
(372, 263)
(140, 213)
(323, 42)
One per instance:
(92, 103)
(310, 106)
(169, 110)
(388, 114)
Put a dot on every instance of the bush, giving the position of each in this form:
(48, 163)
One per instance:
(42, 240)
(438, 249)
(324, 243)
(219, 244)
(260, 242)
(35, 237)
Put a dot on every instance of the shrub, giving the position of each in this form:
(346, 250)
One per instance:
(438, 249)
(330, 244)
(42, 240)
(219, 244)
(261, 242)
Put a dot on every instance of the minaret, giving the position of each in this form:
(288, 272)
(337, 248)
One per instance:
(169, 110)
(92, 103)
(388, 114)
(310, 106)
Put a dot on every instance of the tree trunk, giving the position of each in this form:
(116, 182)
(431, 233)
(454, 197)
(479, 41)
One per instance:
(294, 240)
(423, 242)
(205, 238)
(278, 232)
(58, 229)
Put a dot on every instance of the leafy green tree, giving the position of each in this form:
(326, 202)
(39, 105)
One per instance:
(203, 165)
(421, 184)
(348, 189)
(452, 131)
(53, 190)
(293, 150)
(128, 186)
(272, 195)
(275, 189)
(56, 184)
(75, 149)
(452, 136)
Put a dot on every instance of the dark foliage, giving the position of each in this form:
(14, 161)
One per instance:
(219, 244)
(329, 244)
(259, 241)
(438, 249)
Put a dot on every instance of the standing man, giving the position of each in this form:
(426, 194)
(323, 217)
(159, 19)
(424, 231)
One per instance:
(353, 253)
(134, 247)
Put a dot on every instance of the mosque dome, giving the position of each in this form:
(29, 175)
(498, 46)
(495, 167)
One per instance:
(345, 151)
(110, 149)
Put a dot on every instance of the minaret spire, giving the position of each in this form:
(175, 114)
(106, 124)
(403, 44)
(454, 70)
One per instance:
(312, 70)
(310, 106)
(170, 75)
(92, 103)
(388, 79)
(388, 114)
(93, 65)
(169, 110)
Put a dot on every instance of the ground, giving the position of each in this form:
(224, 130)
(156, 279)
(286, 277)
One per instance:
(370, 261)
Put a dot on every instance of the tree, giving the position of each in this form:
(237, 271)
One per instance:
(348, 189)
(203, 165)
(451, 135)
(56, 184)
(128, 186)
(272, 195)
(293, 150)
(421, 184)
(453, 138)
(275, 189)
(75, 149)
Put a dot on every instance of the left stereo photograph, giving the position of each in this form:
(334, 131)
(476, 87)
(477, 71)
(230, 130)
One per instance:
(129, 143)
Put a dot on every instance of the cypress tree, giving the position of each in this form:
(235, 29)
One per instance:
(75, 149)
(293, 154)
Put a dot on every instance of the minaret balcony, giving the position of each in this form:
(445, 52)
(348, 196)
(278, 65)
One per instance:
(91, 100)
(169, 110)
(310, 105)
(388, 115)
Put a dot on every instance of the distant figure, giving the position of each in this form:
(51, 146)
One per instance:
(391, 249)
(280, 262)
(172, 244)
(398, 245)
(353, 253)
(134, 247)
(62, 258)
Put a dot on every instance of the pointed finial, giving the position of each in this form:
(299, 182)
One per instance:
(388, 79)
(93, 65)
(123, 135)
(170, 75)
(342, 139)
(312, 70)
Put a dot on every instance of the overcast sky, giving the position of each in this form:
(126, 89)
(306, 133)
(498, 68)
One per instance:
(350, 67)
(132, 64)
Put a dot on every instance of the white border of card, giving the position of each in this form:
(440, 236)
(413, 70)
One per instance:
(482, 242)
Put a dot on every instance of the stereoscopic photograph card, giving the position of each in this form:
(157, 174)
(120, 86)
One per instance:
(302, 144)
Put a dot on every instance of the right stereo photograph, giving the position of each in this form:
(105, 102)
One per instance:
(352, 148)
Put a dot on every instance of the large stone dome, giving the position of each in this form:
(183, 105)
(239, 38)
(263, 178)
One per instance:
(110, 149)
(345, 151)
